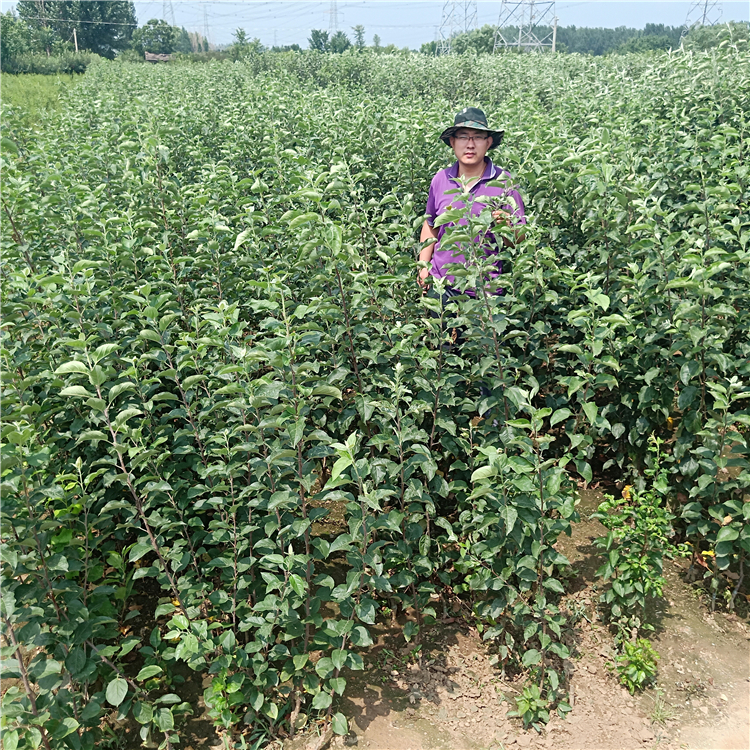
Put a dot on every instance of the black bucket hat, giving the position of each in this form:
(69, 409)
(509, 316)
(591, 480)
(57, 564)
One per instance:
(471, 117)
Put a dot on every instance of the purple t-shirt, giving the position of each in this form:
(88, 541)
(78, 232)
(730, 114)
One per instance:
(438, 202)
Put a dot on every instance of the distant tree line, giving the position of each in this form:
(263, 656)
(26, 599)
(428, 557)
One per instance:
(602, 41)
(41, 36)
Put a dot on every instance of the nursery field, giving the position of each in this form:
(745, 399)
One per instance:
(238, 442)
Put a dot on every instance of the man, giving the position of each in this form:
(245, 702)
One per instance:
(470, 138)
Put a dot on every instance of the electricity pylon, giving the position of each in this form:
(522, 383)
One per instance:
(167, 9)
(459, 16)
(333, 23)
(702, 13)
(525, 26)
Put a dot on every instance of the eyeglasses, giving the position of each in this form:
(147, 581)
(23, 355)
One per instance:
(463, 138)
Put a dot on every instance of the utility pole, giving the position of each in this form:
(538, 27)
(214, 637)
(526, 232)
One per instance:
(554, 36)
(75, 39)
(526, 26)
(205, 26)
(459, 17)
(702, 13)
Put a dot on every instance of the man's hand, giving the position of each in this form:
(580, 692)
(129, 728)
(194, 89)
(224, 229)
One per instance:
(501, 217)
(424, 274)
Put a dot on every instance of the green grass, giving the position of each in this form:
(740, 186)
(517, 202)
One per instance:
(34, 94)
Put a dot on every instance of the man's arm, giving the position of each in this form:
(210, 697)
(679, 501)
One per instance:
(425, 254)
(512, 215)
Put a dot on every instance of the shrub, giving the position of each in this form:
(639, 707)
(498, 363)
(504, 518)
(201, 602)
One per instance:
(68, 62)
(637, 665)
(640, 529)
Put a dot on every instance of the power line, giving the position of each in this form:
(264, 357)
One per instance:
(51, 19)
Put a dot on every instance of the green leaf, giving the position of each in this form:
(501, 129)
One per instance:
(164, 609)
(590, 409)
(76, 390)
(241, 237)
(91, 435)
(271, 710)
(327, 390)
(366, 611)
(339, 724)
(74, 366)
(531, 657)
(298, 431)
(104, 350)
(67, 726)
(147, 333)
(309, 194)
(409, 630)
(119, 388)
(143, 713)
(338, 685)
(10, 736)
(338, 657)
(602, 300)
(76, 660)
(324, 667)
(341, 464)
(116, 691)
(91, 711)
(360, 637)
(554, 585)
(484, 472)
(322, 700)
(509, 514)
(306, 218)
(169, 698)
(7, 145)
(559, 416)
(124, 416)
(298, 584)
(727, 534)
(688, 371)
(300, 660)
(137, 551)
(164, 719)
(147, 672)
(97, 376)
(686, 397)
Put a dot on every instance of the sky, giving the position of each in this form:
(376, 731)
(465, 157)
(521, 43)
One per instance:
(405, 24)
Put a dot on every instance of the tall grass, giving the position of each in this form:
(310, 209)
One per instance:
(34, 94)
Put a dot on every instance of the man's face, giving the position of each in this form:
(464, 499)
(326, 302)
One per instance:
(470, 145)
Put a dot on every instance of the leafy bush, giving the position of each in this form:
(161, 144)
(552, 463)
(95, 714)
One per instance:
(68, 62)
(640, 529)
(637, 665)
(212, 338)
